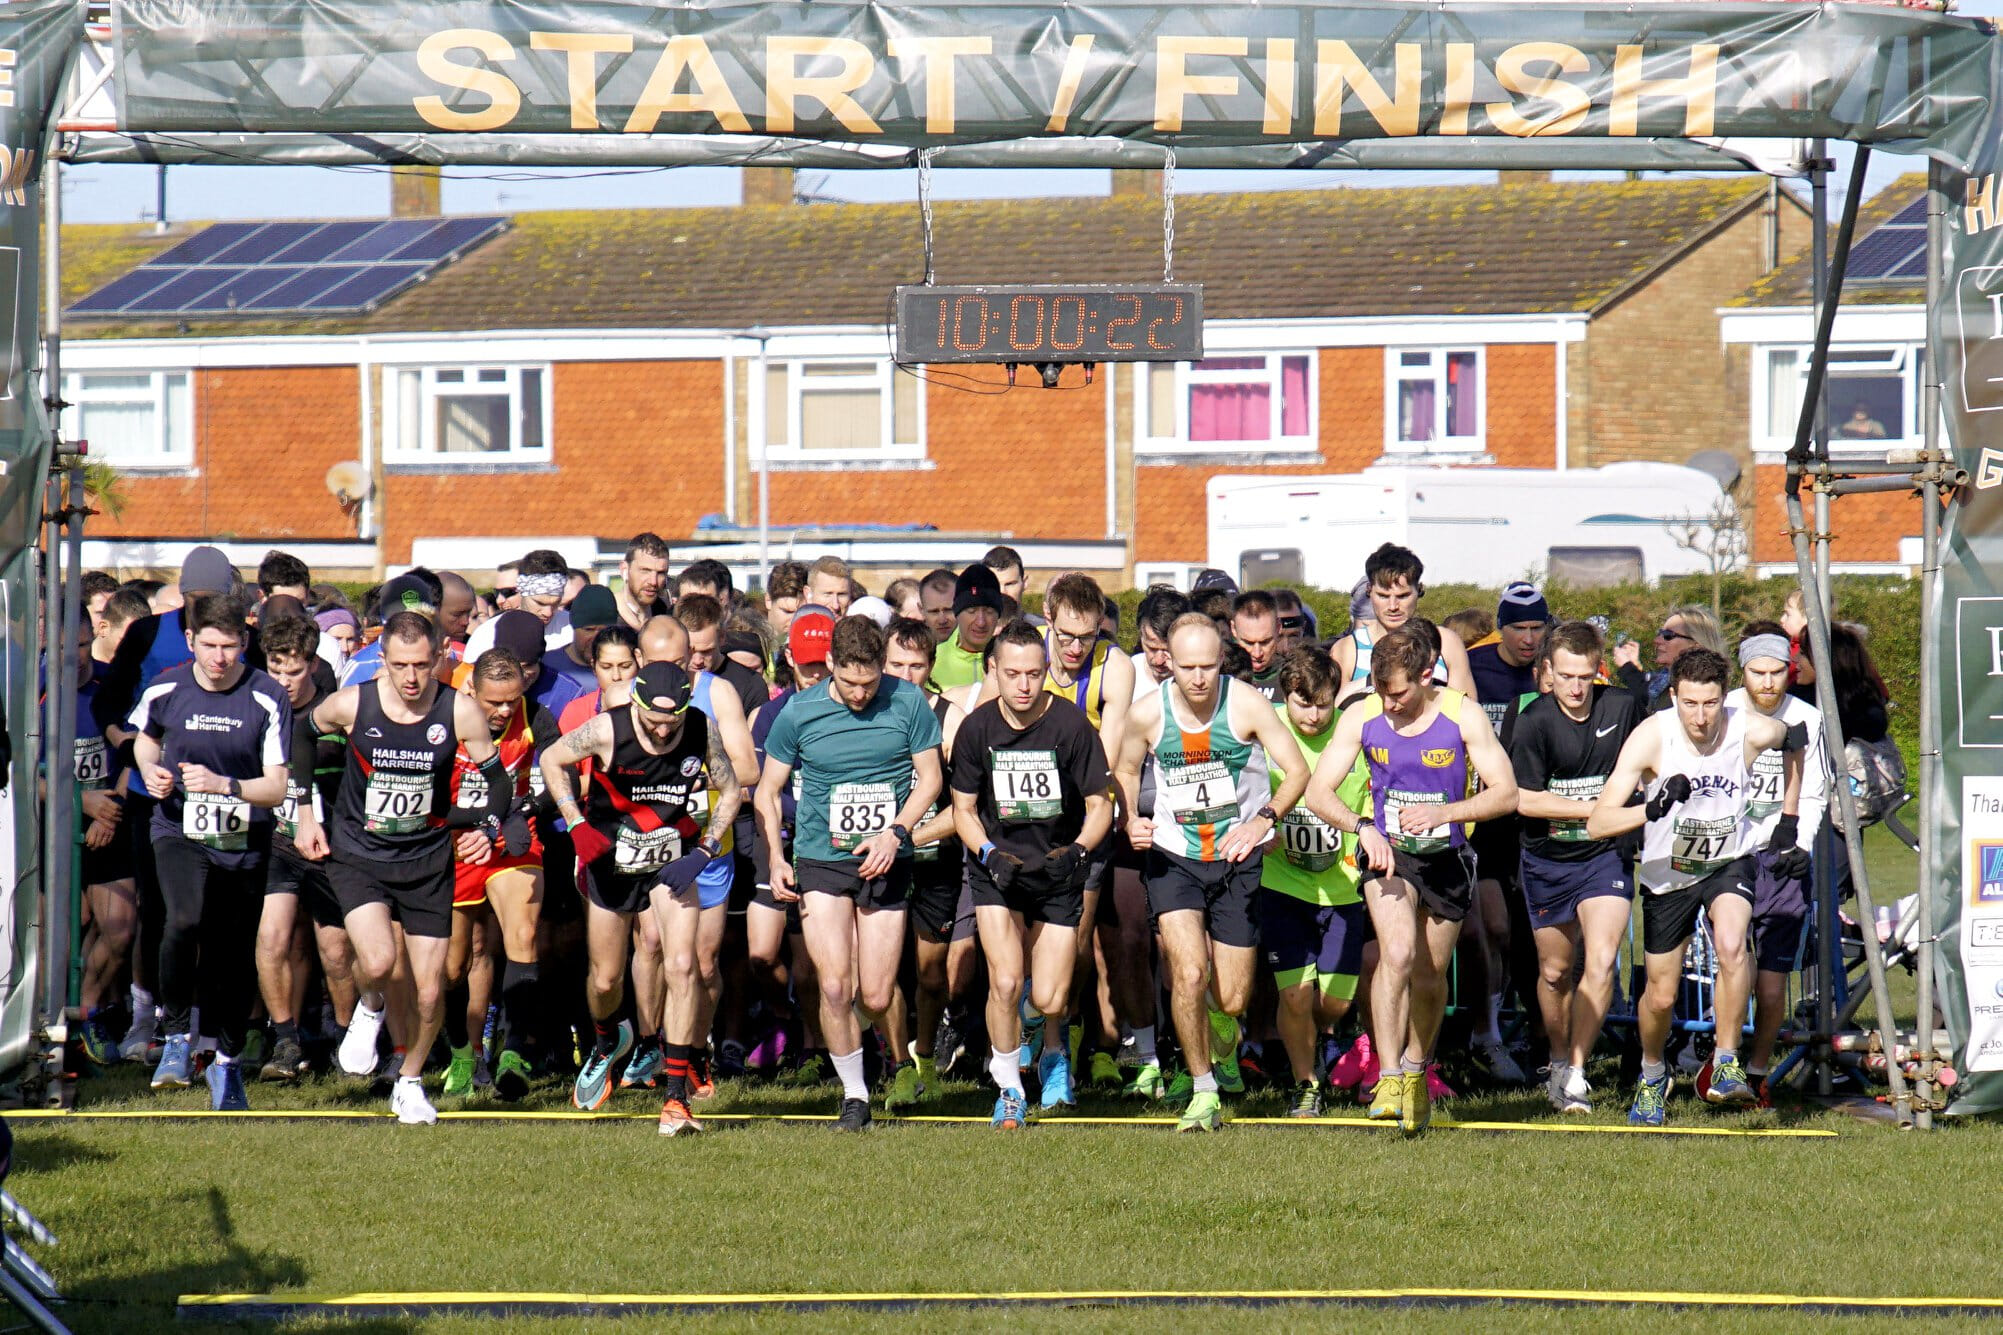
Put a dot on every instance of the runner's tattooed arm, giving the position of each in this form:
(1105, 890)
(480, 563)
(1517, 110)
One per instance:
(591, 739)
(723, 779)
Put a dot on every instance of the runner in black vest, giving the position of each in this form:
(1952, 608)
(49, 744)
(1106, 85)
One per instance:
(391, 838)
(641, 842)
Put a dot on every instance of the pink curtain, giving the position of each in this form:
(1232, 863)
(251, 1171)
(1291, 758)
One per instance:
(1293, 396)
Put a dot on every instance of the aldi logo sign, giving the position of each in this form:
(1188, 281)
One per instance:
(1985, 856)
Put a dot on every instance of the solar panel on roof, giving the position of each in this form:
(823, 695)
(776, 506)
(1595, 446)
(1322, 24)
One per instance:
(1894, 249)
(267, 268)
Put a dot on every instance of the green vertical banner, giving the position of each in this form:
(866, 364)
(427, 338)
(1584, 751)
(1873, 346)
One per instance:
(1966, 338)
(37, 42)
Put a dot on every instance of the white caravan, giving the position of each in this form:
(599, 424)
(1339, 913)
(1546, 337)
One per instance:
(1581, 526)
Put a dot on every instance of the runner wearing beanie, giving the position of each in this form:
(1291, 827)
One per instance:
(977, 606)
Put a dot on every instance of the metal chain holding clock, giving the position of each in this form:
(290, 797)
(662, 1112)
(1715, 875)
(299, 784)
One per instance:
(1167, 220)
(925, 206)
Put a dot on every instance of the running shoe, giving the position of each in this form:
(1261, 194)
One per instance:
(139, 1039)
(1181, 1088)
(948, 1044)
(1729, 1085)
(1204, 1113)
(594, 1078)
(1554, 1085)
(643, 1071)
(1387, 1099)
(730, 1060)
(1650, 1098)
(855, 1115)
(700, 1084)
(677, 1119)
(459, 1073)
(1436, 1087)
(1224, 1052)
(288, 1061)
(1252, 1067)
(1501, 1066)
(407, 1101)
(1578, 1093)
(172, 1072)
(768, 1052)
(1306, 1101)
(97, 1043)
(1053, 1073)
(483, 1070)
(1105, 1072)
(1148, 1083)
(511, 1077)
(226, 1087)
(357, 1055)
(1011, 1111)
(905, 1088)
(1417, 1112)
(1356, 1068)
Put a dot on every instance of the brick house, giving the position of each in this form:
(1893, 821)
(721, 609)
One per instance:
(1876, 353)
(588, 375)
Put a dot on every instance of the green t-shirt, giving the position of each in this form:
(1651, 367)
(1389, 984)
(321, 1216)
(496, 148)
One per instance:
(853, 767)
(1311, 859)
(953, 666)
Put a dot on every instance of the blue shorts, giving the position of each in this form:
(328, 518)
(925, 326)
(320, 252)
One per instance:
(712, 887)
(1780, 914)
(1313, 943)
(1552, 890)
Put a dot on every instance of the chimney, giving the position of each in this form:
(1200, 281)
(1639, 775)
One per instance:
(768, 185)
(415, 192)
(1139, 182)
(1523, 178)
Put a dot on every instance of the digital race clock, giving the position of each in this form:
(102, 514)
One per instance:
(1139, 322)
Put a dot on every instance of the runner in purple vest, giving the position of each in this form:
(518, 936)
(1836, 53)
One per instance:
(1420, 743)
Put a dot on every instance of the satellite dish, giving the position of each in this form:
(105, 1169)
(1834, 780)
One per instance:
(1720, 464)
(348, 481)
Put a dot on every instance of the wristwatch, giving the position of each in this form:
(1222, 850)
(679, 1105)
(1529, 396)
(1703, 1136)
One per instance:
(1268, 812)
(713, 847)
(1365, 823)
(234, 787)
(903, 835)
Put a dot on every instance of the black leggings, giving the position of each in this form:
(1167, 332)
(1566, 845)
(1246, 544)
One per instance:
(208, 940)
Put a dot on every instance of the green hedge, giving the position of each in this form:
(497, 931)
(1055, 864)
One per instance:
(1888, 605)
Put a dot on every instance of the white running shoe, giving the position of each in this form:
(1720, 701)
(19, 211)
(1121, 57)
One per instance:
(140, 1036)
(358, 1045)
(1578, 1092)
(1500, 1064)
(1554, 1087)
(408, 1102)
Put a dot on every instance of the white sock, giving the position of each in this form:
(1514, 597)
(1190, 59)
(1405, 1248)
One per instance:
(848, 1065)
(1002, 1066)
(1652, 1071)
(142, 1003)
(1722, 1056)
(1144, 1042)
(224, 1059)
(363, 1008)
(414, 1081)
(1207, 1083)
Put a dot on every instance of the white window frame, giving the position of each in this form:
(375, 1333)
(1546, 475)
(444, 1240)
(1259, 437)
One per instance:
(400, 448)
(799, 382)
(1395, 372)
(1905, 358)
(1175, 440)
(79, 396)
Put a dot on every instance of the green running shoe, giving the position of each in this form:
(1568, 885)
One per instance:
(1306, 1101)
(459, 1074)
(1104, 1073)
(1224, 1052)
(1204, 1113)
(1148, 1083)
(1181, 1088)
(905, 1089)
(511, 1077)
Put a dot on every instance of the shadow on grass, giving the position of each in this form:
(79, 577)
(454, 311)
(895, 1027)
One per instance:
(46, 1152)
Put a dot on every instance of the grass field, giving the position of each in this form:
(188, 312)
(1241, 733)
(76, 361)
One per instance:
(149, 1210)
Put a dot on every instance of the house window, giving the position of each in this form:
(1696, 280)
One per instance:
(466, 414)
(1436, 401)
(1873, 394)
(1257, 400)
(133, 419)
(843, 410)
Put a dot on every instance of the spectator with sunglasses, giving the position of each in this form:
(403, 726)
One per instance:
(1683, 628)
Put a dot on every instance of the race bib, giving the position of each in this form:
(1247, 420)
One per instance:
(396, 803)
(93, 763)
(1026, 787)
(535, 779)
(638, 852)
(216, 820)
(1766, 785)
(1699, 847)
(1575, 790)
(1395, 801)
(1197, 794)
(288, 814)
(858, 812)
(472, 790)
(1308, 841)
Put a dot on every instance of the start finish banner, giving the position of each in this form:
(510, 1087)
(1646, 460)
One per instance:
(936, 75)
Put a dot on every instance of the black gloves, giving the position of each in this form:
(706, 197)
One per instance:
(1003, 867)
(1675, 789)
(1061, 864)
(1790, 859)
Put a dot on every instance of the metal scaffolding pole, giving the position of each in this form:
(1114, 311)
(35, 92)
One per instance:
(1929, 757)
(1828, 956)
